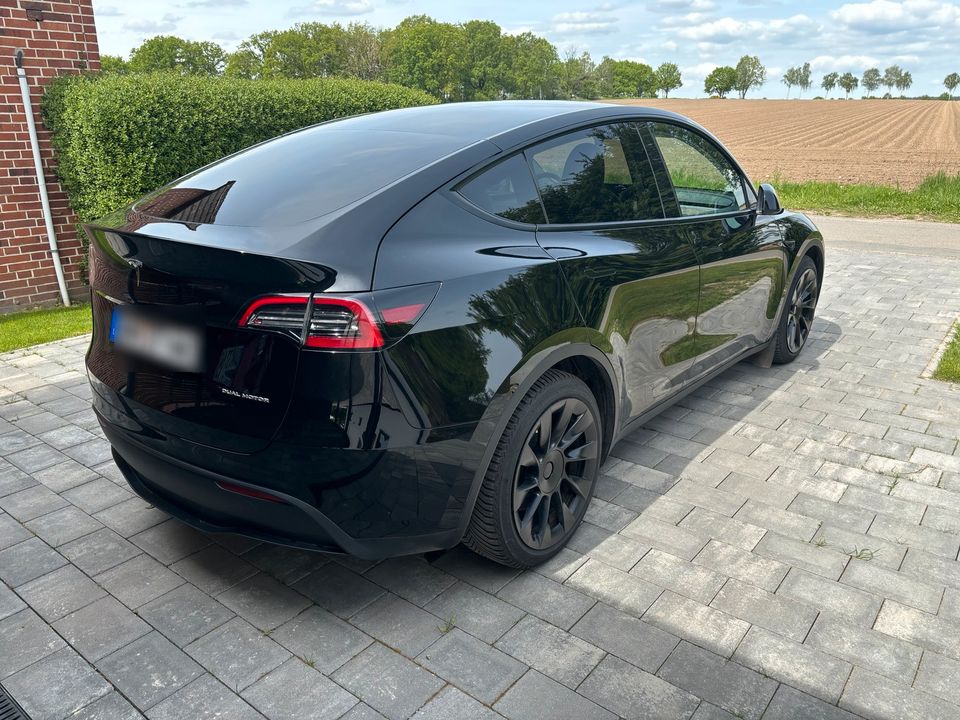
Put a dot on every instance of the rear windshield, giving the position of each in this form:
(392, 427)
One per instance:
(298, 177)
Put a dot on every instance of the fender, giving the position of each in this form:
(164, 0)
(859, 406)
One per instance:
(515, 387)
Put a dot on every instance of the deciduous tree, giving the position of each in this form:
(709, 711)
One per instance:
(950, 82)
(667, 77)
(849, 83)
(750, 74)
(829, 82)
(871, 80)
(720, 81)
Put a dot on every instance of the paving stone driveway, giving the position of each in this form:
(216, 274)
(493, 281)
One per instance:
(783, 544)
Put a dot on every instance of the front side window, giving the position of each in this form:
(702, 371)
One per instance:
(704, 180)
(596, 175)
(507, 190)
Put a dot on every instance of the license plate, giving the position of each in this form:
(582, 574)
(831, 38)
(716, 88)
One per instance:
(178, 347)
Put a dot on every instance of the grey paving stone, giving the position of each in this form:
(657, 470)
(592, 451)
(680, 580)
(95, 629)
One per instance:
(101, 627)
(184, 614)
(685, 578)
(601, 544)
(940, 676)
(411, 578)
(11, 532)
(928, 631)
(170, 541)
(40, 422)
(726, 684)
(949, 606)
(735, 532)
(62, 526)
(558, 604)
(362, 711)
(295, 691)
(35, 458)
(149, 669)
(790, 704)
(452, 703)
(799, 666)
(339, 590)
(28, 560)
(877, 697)
(98, 551)
(30, 503)
(744, 565)
(664, 536)
(472, 665)
(857, 606)
(847, 516)
(555, 653)
(634, 694)
(60, 592)
(608, 515)
(562, 565)
(138, 581)
(89, 453)
(705, 626)
(875, 651)
(399, 624)
(782, 522)
(13, 480)
(388, 682)
(264, 602)
(892, 584)
(57, 685)
(807, 556)
(614, 587)
(479, 613)
(284, 563)
(758, 607)
(704, 496)
(537, 697)
(933, 541)
(479, 572)
(111, 706)
(203, 699)
(237, 653)
(931, 568)
(25, 638)
(321, 638)
(65, 475)
(131, 517)
(628, 638)
(214, 569)
(9, 602)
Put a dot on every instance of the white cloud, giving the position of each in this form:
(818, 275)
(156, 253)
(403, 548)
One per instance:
(694, 75)
(168, 23)
(843, 63)
(681, 5)
(107, 11)
(728, 30)
(215, 3)
(333, 7)
(583, 23)
(885, 17)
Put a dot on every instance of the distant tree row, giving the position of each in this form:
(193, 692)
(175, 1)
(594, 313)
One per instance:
(950, 82)
(463, 61)
(893, 77)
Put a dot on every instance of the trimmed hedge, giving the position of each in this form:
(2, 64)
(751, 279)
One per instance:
(120, 136)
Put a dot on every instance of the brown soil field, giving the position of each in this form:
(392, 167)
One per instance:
(883, 142)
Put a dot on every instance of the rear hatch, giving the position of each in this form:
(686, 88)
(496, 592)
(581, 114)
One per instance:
(167, 349)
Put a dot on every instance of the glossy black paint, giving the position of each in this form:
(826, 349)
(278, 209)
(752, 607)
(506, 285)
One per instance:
(378, 453)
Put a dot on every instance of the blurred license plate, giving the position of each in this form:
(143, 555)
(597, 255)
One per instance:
(179, 347)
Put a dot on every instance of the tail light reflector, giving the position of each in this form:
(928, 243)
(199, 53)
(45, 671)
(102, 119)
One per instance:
(249, 492)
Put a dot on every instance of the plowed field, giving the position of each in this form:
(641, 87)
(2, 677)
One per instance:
(884, 142)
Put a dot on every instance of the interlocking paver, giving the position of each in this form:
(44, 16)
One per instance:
(723, 529)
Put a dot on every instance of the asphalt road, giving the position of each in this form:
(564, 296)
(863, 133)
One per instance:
(911, 237)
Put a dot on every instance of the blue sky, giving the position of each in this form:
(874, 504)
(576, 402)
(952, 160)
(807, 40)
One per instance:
(922, 36)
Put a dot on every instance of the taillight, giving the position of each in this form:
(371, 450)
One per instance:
(365, 321)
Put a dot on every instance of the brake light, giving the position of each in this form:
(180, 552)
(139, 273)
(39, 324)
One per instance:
(365, 321)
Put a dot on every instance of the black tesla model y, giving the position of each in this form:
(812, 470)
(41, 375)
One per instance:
(392, 333)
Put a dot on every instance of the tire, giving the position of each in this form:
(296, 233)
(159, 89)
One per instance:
(798, 313)
(510, 525)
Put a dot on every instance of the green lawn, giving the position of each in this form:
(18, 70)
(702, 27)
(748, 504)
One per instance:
(949, 367)
(31, 327)
(936, 198)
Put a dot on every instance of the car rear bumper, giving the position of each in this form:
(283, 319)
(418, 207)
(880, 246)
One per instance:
(196, 495)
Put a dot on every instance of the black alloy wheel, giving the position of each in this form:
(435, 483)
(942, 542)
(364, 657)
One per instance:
(797, 320)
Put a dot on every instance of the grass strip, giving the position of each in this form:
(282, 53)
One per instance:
(32, 327)
(949, 367)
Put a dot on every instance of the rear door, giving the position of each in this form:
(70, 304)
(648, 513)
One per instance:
(743, 260)
(634, 275)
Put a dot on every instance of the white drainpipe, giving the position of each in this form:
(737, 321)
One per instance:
(41, 181)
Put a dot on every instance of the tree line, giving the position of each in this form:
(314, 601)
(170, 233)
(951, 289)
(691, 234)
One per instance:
(474, 60)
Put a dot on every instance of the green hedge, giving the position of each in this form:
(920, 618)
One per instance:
(120, 136)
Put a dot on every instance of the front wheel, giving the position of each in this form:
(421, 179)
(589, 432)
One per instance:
(542, 474)
(797, 320)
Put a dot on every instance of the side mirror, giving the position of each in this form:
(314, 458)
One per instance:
(769, 201)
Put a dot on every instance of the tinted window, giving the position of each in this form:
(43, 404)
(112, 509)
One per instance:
(506, 190)
(596, 175)
(703, 178)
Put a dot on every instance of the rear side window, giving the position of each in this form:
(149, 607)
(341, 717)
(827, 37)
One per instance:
(704, 180)
(506, 190)
(596, 175)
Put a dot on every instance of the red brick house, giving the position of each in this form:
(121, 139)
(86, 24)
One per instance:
(56, 38)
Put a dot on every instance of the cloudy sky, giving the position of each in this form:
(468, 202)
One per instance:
(923, 36)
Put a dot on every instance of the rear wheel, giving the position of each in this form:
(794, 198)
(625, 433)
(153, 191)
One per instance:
(542, 474)
(797, 320)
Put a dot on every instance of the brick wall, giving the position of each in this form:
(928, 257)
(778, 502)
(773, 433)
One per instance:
(57, 38)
